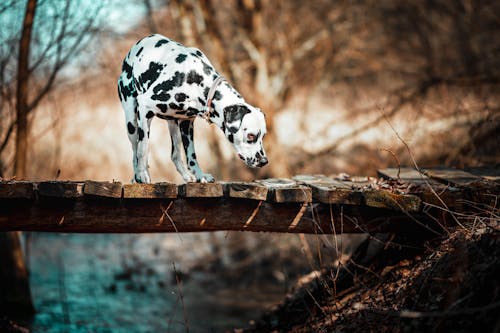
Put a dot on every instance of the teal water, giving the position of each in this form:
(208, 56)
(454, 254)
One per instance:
(127, 283)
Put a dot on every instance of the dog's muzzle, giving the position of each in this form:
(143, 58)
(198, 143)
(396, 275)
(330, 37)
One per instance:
(263, 161)
(254, 162)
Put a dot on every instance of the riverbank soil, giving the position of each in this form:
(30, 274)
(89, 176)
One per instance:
(451, 284)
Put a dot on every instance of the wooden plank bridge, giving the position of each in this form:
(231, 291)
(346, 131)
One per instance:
(402, 199)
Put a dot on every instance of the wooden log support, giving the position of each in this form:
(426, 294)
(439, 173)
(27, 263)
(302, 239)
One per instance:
(282, 190)
(150, 191)
(199, 214)
(398, 202)
(16, 190)
(243, 190)
(103, 189)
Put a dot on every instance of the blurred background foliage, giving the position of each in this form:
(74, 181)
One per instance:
(331, 77)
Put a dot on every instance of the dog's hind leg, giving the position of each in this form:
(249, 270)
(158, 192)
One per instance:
(143, 127)
(176, 154)
(129, 104)
(187, 132)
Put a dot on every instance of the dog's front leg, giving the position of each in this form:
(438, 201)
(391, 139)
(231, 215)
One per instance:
(141, 171)
(187, 132)
(176, 155)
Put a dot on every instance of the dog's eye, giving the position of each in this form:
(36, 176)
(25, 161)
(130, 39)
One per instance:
(251, 137)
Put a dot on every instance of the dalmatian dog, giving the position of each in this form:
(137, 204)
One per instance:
(166, 79)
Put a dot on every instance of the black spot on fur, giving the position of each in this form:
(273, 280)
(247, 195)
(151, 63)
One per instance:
(194, 77)
(163, 107)
(202, 102)
(206, 91)
(230, 137)
(141, 133)
(161, 42)
(207, 69)
(119, 93)
(180, 97)
(160, 90)
(235, 112)
(174, 106)
(193, 156)
(139, 52)
(233, 129)
(150, 114)
(191, 163)
(198, 53)
(162, 116)
(180, 58)
(146, 79)
(214, 113)
(191, 112)
(127, 69)
(184, 127)
(131, 128)
(127, 90)
(217, 96)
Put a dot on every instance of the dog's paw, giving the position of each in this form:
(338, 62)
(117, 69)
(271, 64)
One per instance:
(205, 178)
(142, 177)
(189, 177)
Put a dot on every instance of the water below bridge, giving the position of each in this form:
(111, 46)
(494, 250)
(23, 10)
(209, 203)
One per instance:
(128, 283)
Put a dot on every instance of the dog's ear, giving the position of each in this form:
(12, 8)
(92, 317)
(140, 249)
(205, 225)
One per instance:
(233, 114)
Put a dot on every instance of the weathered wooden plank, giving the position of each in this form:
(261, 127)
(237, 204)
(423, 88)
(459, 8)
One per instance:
(330, 191)
(201, 190)
(284, 190)
(150, 191)
(429, 190)
(406, 174)
(244, 190)
(103, 189)
(452, 176)
(16, 190)
(60, 189)
(489, 173)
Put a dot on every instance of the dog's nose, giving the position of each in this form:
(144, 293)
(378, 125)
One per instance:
(263, 161)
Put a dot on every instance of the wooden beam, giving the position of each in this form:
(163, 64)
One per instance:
(195, 214)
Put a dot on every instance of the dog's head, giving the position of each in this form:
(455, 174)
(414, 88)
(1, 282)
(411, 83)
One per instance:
(244, 127)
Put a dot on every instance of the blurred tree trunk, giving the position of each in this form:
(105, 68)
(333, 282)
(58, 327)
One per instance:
(15, 294)
(22, 107)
